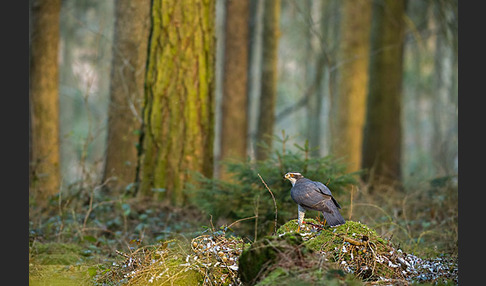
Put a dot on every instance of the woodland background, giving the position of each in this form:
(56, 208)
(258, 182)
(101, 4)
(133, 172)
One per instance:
(152, 118)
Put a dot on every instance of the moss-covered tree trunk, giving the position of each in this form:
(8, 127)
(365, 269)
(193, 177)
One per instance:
(44, 99)
(268, 93)
(178, 129)
(132, 26)
(234, 120)
(383, 132)
(352, 82)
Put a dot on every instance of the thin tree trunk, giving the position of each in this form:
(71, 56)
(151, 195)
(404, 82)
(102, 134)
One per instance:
(313, 74)
(352, 82)
(234, 123)
(268, 92)
(254, 75)
(44, 99)
(178, 129)
(382, 139)
(130, 44)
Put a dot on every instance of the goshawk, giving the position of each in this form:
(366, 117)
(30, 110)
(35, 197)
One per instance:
(311, 195)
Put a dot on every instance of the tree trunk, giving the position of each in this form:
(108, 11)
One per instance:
(382, 139)
(352, 82)
(254, 75)
(268, 94)
(313, 74)
(132, 26)
(44, 100)
(234, 125)
(178, 126)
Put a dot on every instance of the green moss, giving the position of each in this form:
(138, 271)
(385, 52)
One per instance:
(331, 237)
(179, 275)
(292, 226)
(58, 275)
(353, 244)
(54, 253)
(316, 275)
(275, 277)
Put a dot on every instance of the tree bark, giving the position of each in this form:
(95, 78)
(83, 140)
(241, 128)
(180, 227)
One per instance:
(44, 100)
(132, 26)
(268, 94)
(352, 82)
(382, 139)
(178, 126)
(234, 125)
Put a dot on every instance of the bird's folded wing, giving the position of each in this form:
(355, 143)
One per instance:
(308, 196)
(323, 188)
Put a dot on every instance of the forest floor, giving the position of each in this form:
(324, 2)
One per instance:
(100, 241)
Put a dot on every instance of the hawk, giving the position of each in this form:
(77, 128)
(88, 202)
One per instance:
(311, 195)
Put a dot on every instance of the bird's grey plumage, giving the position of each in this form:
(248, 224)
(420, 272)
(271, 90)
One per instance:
(311, 195)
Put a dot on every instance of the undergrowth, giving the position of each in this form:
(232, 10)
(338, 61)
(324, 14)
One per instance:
(83, 230)
(422, 219)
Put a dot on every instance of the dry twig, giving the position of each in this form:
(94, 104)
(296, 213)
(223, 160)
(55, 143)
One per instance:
(274, 203)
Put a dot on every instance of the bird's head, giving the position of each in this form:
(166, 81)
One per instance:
(293, 177)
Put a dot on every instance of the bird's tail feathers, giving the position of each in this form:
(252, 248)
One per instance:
(335, 218)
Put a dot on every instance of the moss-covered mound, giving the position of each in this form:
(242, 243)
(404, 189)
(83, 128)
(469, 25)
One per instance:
(209, 259)
(359, 250)
(286, 260)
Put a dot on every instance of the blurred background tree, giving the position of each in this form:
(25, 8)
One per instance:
(268, 89)
(127, 78)
(44, 148)
(234, 109)
(352, 82)
(383, 127)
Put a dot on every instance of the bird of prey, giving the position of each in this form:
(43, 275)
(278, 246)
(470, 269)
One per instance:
(311, 195)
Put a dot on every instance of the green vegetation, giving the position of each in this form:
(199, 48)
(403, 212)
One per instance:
(56, 263)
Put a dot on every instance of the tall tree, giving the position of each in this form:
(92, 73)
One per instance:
(132, 26)
(254, 74)
(178, 130)
(234, 121)
(268, 94)
(352, 82)
(323, 83)
(314, 71)
(382, 137)
(44, 100)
